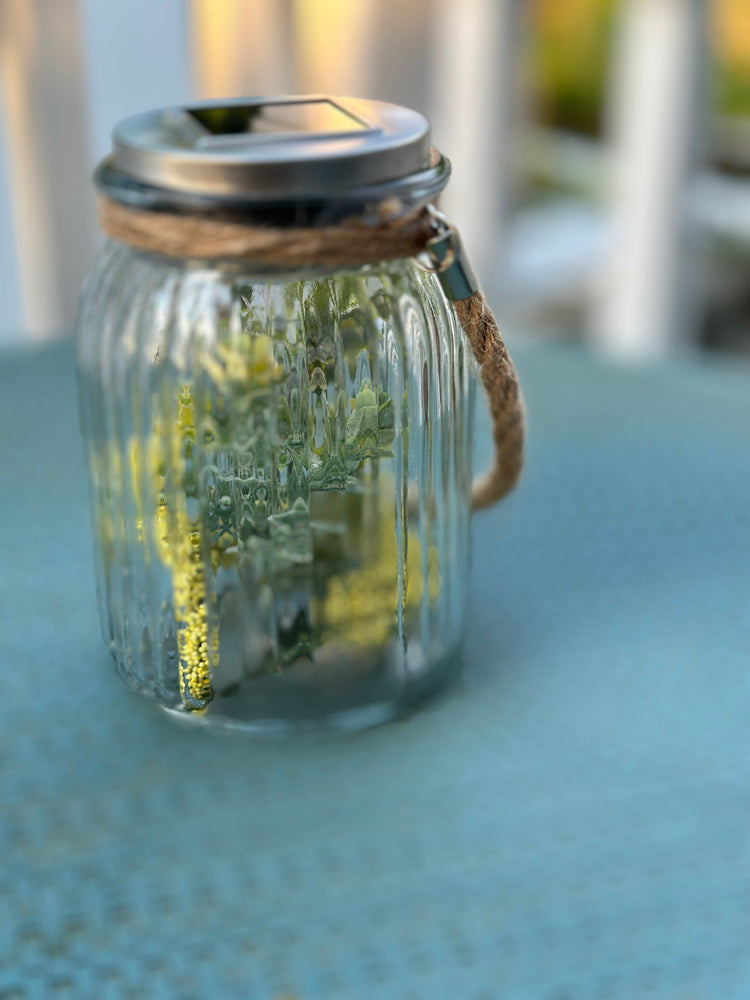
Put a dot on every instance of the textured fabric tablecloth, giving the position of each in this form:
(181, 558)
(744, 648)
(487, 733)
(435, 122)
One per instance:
(572, 822)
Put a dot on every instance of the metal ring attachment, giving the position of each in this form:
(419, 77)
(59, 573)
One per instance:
(444, 255)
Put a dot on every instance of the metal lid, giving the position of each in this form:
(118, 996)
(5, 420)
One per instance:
(312, 150)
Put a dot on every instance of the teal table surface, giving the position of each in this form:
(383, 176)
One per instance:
(570, 822)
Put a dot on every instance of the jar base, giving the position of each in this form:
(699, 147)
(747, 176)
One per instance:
(347, 721)
(304, 713)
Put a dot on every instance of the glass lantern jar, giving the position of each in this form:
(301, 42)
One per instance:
(279, 457)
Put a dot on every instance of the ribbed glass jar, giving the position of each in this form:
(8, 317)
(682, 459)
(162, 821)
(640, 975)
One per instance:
(280, 474)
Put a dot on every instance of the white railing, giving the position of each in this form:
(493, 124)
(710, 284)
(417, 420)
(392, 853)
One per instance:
(70, 68)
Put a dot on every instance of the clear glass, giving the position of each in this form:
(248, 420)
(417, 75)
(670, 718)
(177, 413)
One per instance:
(280, 473)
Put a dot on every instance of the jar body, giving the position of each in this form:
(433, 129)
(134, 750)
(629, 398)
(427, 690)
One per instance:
(280, 473)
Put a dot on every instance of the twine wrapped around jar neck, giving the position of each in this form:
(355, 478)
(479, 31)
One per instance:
(352, 243)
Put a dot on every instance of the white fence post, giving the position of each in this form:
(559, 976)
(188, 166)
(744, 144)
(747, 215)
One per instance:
(657, 112)
(11, 307)
(475, 85)
(42, 99)
(136, 58)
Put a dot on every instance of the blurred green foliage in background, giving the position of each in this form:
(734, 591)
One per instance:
(571, 50)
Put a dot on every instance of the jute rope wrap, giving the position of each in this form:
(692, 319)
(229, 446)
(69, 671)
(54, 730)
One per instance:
(353, 242)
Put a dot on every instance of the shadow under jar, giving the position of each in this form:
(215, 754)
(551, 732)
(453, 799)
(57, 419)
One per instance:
(280, 460)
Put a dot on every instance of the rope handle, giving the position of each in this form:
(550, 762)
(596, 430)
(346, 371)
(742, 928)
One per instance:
(445, 256)
(424, 234)
(500, 381)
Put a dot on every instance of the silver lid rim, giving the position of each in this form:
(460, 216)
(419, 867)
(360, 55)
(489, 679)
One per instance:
(163, 149)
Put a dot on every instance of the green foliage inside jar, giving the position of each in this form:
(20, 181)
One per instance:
(269, 473)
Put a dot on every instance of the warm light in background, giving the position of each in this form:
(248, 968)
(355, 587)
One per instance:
(731, 26)
(251, 47)
(332, 45)
(239, 47)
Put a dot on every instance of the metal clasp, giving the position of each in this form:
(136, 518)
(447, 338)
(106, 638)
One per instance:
(445, 256)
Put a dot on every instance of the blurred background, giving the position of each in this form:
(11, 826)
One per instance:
(601, 148)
